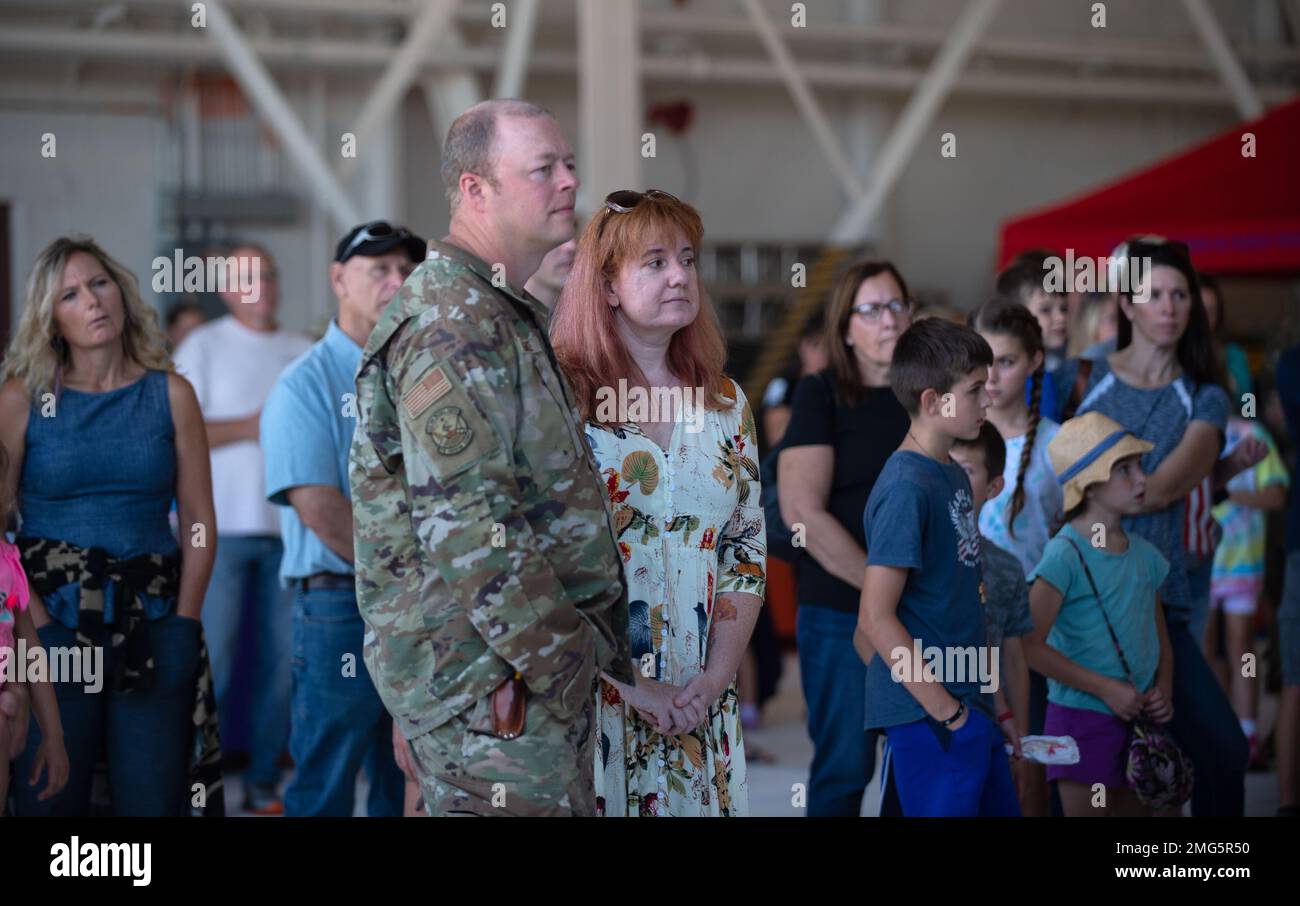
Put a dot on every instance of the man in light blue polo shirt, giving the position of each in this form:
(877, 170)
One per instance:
(338, 722)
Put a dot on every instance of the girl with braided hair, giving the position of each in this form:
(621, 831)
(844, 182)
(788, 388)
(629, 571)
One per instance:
(1026, 514)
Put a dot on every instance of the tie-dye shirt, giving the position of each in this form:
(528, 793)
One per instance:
(1239, 558)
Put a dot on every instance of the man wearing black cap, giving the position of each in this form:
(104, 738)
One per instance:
(339, 723)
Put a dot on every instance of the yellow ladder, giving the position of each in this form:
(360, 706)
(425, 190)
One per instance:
(808, 299)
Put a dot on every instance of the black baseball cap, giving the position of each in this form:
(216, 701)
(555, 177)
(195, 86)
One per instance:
(379, 237)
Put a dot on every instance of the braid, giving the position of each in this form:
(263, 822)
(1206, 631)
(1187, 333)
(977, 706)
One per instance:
(1005, 315)
(1027, 452)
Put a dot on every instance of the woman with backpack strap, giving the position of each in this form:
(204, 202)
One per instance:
(1162, 385)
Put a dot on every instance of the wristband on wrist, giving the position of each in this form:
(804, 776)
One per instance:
(961, 709)
(1005, 716)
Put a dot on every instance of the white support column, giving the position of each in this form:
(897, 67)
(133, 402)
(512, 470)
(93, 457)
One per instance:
(867, 121)
(450, 92)
(376, 191)
(276, 113)
(521, 23)
(1231, 73)
(610, 106)
(320, 242)
(803, 97)
(925, 101)
(401, 72)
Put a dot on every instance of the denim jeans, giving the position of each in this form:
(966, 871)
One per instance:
(1206, 727)
(339, 723)
(1200, 571)
(252, 562)
(834, 682)
(145, 735)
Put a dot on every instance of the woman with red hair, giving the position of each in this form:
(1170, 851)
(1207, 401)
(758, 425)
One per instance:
(675, 440)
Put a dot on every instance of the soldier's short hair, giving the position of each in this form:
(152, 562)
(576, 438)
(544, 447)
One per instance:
(468, 148)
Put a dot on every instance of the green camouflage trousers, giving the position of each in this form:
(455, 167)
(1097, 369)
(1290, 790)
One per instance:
(547, 771)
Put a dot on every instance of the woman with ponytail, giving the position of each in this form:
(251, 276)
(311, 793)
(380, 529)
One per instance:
(1023, 517)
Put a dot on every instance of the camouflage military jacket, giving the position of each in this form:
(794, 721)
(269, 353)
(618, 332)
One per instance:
(484, 542)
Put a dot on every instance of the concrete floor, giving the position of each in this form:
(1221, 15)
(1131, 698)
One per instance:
(783, 738)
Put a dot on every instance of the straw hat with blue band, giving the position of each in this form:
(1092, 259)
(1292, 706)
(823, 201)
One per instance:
(1084, 450)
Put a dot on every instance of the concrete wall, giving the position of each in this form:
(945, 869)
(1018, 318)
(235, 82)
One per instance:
(100, 182)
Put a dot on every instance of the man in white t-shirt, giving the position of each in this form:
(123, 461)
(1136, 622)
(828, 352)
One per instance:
(233, 363)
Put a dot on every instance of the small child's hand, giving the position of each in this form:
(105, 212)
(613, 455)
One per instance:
(52, 758)
(1157, 705)
(1123, 699)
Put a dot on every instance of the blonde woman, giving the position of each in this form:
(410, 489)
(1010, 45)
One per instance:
(101, 436)
(683, 487)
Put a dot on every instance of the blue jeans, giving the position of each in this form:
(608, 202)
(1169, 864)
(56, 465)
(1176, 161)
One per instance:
(1200, 571)
(339, 723)
(1207, 728)
(144, 735)
(253, 563)
(835, 689)
(971, 778)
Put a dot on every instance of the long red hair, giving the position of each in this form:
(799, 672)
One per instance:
(587, 344)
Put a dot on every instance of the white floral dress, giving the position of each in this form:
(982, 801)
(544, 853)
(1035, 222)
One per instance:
(689, 524)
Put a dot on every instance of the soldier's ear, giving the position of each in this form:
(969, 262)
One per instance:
(471, 189)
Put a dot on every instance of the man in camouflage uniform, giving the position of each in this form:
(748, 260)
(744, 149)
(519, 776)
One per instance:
(485, 556)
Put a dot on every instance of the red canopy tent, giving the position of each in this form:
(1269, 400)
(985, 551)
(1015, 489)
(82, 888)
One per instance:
(1239, 215)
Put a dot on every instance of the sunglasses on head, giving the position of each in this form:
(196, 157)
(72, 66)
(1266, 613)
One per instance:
(376, 229)
(624, 200)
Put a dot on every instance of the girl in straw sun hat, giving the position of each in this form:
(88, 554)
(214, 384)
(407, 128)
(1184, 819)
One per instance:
(1099, 633)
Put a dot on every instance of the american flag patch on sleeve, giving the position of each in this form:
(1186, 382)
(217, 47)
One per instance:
(432, 387)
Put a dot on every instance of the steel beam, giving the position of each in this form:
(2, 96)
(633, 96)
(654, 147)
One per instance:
(276, 113)
(919, 111)
(803, 98)
(521, 23)
(1231, 73)
(610, 113)
(402, 71)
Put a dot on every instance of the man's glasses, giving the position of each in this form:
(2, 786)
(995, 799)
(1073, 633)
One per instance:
(376, 229)
(873, 310)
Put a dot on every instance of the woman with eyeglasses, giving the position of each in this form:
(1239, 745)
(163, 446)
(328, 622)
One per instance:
(1163, 385)
(675, 441)
(845, 423)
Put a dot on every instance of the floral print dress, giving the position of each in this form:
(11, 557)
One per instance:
(689, 524)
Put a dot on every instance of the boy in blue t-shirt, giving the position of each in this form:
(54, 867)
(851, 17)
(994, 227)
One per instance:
(921, 626)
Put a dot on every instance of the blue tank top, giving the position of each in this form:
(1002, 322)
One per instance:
(101, 472)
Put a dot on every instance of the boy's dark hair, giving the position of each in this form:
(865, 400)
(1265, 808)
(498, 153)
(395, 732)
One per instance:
(990, 443)
(934, 354)
(1023, 277)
